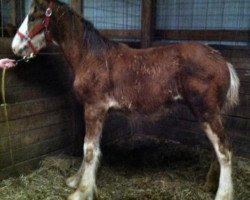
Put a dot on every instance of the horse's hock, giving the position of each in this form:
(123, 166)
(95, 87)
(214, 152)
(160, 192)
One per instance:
(167, 159)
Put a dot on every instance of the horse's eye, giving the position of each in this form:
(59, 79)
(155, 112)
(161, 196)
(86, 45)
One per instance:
(31, 18)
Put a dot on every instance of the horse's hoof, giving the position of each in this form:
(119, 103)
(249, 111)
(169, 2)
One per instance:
(72, 182)
(88, 194)
(224, 194)
(224, 197)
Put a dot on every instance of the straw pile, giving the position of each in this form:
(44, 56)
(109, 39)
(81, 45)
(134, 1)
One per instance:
(154, 172)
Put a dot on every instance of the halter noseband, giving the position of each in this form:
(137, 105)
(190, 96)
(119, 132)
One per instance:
(37, 29)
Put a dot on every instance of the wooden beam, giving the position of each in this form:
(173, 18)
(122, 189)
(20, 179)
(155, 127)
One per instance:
(5, 43)
(147, 22)
(219, 35)
(77, 5)
(13, 12)
(31, 108)
(120, 34)
(19, 9)
(35, 136)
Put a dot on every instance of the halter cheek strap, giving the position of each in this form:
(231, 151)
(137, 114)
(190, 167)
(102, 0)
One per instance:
(37, 29)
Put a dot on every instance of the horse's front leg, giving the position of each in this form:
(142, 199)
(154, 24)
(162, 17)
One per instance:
(94, 117)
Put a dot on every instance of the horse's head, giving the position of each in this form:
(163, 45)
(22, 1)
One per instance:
(33, 34)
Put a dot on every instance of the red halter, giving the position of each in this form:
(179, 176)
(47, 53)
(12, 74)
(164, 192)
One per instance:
(37, 29)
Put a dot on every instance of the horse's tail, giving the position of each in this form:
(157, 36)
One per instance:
(232, 98)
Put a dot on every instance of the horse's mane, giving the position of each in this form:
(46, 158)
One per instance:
(96, 43)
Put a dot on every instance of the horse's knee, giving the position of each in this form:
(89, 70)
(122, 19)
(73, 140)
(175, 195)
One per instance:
(89, 155)
(225, 155)
(91, 152)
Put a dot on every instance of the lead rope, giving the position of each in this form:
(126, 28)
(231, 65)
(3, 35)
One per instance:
(4, 104)
(6, 114)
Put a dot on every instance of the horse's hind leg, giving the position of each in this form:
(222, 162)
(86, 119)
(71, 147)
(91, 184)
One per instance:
(217, 136)
(94, 117)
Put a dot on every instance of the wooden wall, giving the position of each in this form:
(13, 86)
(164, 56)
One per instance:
(41, 117)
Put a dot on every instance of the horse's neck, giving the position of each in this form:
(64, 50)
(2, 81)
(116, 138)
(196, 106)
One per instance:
(67, 31)
(76, 43)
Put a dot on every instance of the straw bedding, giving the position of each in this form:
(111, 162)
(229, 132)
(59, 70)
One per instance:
(149, 172)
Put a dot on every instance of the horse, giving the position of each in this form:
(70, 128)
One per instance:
(111, 75)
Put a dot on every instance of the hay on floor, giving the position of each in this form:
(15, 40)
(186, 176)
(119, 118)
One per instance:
(155, 172)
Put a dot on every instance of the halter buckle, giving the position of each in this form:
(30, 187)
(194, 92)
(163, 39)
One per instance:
(48, 12)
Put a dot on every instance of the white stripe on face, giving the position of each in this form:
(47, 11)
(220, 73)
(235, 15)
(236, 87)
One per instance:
(21, 47)
(17, 42)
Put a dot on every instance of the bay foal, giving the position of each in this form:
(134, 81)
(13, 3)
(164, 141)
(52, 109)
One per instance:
(140, 81)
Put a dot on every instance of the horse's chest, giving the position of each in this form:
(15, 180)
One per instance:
(91, 86)
(83, 87)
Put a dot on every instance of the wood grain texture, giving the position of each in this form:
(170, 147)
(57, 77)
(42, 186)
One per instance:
(40, 115)
(35, 150)
(147, 22)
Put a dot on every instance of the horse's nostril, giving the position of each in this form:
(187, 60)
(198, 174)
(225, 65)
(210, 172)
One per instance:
(17, 51)
(14, 50)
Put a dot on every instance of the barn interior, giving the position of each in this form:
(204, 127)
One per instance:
(41, 138)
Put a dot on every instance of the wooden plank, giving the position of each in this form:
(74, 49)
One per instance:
(18, 12)
(27, 166)
(16, 94)
(242, 112)
(243, 74)
(225, 35)
(237, 123)
(77, 5)
(5, 44)
(35, 150)
(244, 87)
(33, 107)
(35, 122)
(13, 12)
(241, 52)
(120, 34)
(240, 59)
(244, 100)
(147, 22)
(35, 136)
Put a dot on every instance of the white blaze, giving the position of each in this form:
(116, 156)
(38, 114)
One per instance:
(21, 47)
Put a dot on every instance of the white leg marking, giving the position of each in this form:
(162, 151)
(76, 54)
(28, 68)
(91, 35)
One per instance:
(225, 190)
(74, 180)
(17, 42)
(90, 165)
(87, 187)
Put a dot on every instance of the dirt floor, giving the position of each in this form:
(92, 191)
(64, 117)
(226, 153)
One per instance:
(149, 172)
